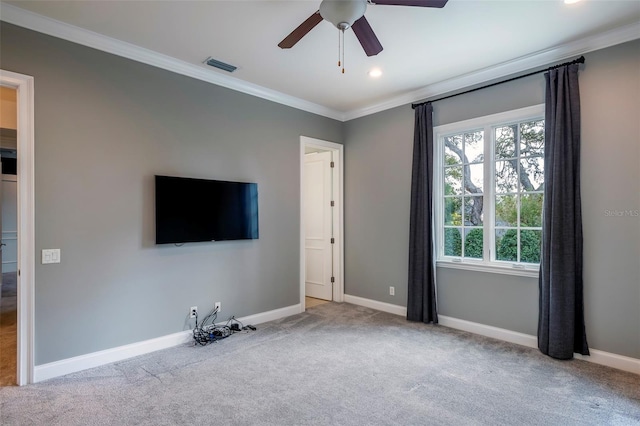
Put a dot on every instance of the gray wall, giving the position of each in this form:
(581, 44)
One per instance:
(104, 127)
(378, 154)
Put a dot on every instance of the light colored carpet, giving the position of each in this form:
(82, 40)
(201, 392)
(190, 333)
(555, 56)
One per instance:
(335, 364)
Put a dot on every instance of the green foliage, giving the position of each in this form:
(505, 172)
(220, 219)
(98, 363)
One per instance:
(507, 246)
(473, 244)
(452, 242)
(530, 246)
(452, 209)
(506, 210)
(453, 180)
(451, 160)
(519, 172)
(531, 210)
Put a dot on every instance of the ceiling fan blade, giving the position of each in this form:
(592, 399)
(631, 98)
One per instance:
(302, 30)
(419, 3)
(366, 37)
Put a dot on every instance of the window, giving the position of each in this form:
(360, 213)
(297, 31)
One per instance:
(489, 190)
(463, 194)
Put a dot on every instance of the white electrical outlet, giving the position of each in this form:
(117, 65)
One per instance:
(218, 306)
(50, 256)
(392, 291)
(193, 311)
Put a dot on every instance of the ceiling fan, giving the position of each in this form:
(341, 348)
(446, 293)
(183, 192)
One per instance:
(345, 14)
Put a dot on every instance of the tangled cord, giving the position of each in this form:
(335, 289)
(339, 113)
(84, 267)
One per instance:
(208, 332)
(202, 334)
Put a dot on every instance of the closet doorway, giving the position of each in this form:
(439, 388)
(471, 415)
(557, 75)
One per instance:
(321, 221)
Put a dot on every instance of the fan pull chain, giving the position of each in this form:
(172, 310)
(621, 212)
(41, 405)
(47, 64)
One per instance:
(339, 47)
(342, 51)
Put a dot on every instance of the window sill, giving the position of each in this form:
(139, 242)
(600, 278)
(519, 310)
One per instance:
(532, 272)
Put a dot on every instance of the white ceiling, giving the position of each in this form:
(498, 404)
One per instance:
(424, 48)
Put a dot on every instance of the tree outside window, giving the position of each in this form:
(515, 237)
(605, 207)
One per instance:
(519, 186)
(503, 207)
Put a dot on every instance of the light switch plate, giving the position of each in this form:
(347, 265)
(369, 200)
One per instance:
(50, 256)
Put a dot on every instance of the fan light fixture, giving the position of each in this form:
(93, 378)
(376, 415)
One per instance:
(345, 14)
(342, 14)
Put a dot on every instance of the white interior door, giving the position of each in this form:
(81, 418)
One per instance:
(318, 225)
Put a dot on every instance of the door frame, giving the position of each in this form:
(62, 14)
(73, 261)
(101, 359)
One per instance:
(338, 184)
(24, 85)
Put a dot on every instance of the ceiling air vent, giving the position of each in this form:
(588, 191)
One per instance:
(220, 65)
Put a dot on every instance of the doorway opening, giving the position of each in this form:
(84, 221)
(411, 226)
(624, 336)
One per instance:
(23, 235)
(321, 222)
(8, 238)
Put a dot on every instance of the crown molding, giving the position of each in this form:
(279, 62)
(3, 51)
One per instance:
(525, 63)
(33, 21)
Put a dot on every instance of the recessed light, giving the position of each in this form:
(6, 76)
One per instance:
(375, 73)
(571, 1)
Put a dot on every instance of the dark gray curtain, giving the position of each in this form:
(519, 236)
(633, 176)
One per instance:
(421, 303)
(561, 329)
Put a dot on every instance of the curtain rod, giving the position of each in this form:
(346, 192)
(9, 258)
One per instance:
(580, 60)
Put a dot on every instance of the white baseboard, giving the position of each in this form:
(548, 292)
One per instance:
(378, 306)
(107, 356)
(489, 331)
(620, 362)
(96, 359)
(271, 315)
(608, 359)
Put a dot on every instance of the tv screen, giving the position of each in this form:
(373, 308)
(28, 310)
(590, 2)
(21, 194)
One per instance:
(191, 210)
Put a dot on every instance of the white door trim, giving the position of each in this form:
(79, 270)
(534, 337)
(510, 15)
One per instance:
(338, 155)
(26, 221)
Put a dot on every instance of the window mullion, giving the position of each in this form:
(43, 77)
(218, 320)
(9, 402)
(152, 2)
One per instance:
(438, 203)
(464, 193)
(518, 191)
(489, 194)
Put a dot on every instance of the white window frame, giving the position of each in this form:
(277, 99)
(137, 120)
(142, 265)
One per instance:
(487, 124)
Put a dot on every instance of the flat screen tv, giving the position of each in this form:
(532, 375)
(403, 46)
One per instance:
(192, 210)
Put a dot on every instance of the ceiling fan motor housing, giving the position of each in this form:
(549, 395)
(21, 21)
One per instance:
(342, 13)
